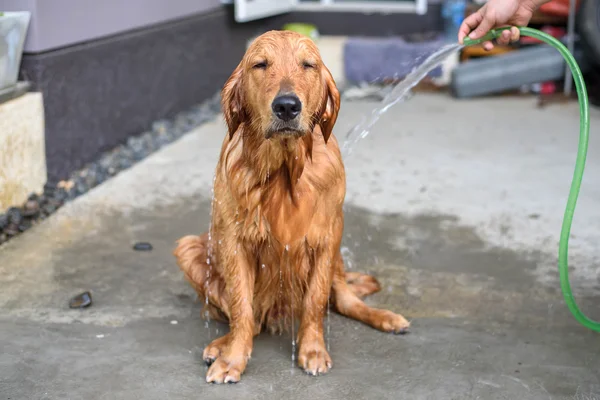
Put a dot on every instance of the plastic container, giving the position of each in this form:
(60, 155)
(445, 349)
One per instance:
(305, 29)
(510, 71)
(453, 12)
(13, 28)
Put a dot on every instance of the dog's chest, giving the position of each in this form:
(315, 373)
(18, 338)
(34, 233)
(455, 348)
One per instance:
(279, 217)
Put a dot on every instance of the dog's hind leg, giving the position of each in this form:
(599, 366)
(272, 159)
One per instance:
(347, 302)
(199, 270)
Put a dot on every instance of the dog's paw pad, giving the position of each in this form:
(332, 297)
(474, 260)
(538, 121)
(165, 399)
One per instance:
(315, 362)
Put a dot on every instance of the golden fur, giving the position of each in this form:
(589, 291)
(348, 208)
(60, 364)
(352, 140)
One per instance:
(272, 255)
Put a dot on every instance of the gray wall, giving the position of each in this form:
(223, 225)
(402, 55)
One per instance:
(59, 23)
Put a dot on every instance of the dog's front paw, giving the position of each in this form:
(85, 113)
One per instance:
(228, 368)
(313, 358)
(215, 348)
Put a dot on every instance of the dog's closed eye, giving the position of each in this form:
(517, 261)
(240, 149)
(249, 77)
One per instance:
(260, 65)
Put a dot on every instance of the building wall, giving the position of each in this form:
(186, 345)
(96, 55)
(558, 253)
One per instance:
(60, 23)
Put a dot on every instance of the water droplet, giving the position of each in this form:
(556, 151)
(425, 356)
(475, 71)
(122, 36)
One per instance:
(400, 92)
(263, 266)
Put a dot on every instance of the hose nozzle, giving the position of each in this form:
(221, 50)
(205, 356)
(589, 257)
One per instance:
(491, 35)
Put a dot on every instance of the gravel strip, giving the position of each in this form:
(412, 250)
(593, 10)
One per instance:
(38, 207)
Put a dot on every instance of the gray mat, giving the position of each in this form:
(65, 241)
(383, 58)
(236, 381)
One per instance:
(378, 60)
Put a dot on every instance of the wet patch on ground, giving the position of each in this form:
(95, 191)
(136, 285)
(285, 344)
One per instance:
(429, 266)
(482, 324)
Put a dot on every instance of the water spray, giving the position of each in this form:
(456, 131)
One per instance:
(584, 130)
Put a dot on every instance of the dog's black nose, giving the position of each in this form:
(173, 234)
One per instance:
(287, 107)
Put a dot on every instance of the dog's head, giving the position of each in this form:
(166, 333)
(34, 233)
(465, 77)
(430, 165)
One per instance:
(281, 88)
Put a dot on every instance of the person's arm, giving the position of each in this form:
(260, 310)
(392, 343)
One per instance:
(498, 13)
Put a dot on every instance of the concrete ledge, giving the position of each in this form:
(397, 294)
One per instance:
(23, 157)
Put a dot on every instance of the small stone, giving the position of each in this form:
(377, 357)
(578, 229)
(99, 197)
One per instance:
(160, 127)
(11, 230)
(23, 226)
(49, 188)
(142, 246)
(80, 187)
(31, 208)
(82, 300)
(49, 209)
(174, 322)
(3, 221)
(14, 215)
(100, 336)
(59, 197)
(66, 184)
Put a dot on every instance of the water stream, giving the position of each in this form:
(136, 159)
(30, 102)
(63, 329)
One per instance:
(399, 93)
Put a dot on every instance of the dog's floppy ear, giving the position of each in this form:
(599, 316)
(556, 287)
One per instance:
(331, 104)
(232, 101)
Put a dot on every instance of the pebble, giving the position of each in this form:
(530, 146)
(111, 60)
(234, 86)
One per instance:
(162, 132)
(3, 221)
(23, 226)
(31, 208)
(142, 246)
(14, 215)
(82, 300)
(11, 230)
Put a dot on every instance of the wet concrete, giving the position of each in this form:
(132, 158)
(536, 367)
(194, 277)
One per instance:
(487, 321)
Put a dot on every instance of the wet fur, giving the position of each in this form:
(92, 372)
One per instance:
(272, 256)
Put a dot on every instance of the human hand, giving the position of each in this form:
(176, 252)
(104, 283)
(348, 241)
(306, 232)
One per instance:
(495, 14)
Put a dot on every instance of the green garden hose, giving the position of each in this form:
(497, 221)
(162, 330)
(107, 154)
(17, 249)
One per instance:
(584, 130)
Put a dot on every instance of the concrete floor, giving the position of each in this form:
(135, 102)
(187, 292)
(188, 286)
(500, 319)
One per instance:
(454, 206)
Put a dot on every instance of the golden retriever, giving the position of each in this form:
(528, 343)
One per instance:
(272, 253)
